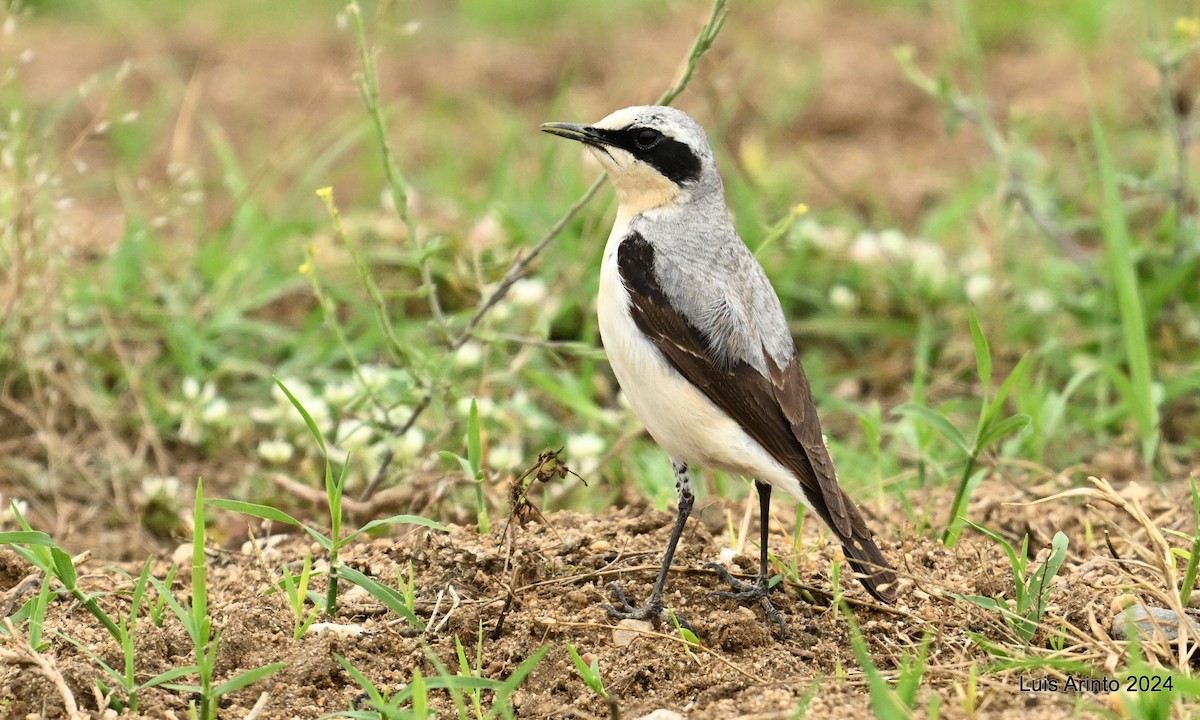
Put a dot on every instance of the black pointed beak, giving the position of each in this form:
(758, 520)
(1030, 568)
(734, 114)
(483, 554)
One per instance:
(574, 131)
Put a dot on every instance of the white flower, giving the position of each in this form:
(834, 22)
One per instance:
(164, 487)
(584, 446)
(843, 298)
(893, 242)
(502, 312)
(979, 286)
(340, 393)
(276, 452)
(411, 443)
(928, 263)
(373, 377)
(265, 415)
(215, 411)
(1190, 327)
(528, 291)
(867, 249)
(316, 408)
(504, 457)
(828, 239)
(1039, 301)
(7, 509)
(354, 435)
(468, 356)
(191, 388)
(295, 386)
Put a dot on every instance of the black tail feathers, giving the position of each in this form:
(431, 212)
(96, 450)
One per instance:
(872, 569)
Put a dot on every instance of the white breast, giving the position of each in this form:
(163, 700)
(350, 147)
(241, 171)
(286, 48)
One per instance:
(685, 423)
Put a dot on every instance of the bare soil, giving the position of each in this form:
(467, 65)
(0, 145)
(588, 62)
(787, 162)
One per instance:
(551, 593)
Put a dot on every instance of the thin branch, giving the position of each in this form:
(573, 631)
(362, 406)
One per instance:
(368, 88)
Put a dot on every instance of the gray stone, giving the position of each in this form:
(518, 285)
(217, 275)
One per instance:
(1149, 621)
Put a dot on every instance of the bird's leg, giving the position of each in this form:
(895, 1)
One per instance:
(759, 588)
(654, 606)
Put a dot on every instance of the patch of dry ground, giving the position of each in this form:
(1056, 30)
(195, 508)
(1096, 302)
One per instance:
(557, 583)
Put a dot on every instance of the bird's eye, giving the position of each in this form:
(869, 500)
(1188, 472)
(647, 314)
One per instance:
(647, 138)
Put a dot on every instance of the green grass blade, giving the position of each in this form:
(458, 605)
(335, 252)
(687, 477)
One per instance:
(168, 676)
(26, 537)
(363, 681)
(420, 695)
(312, 425)
(1013, 425)
(263, 512)
(391, 598)
(983, 354)
(247, 678)
(938, 422)
(1189, 575)
(64, 568)
(397, 520)
(1122, 273)
(199, 569)
(884, 702)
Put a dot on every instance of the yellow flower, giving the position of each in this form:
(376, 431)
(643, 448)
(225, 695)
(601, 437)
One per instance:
(1188, 28)
(754, 157)
(325, 193)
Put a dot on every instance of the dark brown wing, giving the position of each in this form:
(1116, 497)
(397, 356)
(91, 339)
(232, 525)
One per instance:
(777, 411)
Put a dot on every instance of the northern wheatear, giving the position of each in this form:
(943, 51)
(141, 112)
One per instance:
(699, 343)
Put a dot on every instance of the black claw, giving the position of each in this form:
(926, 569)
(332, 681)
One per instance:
(743, 591)
(653, 609)
(619, 596)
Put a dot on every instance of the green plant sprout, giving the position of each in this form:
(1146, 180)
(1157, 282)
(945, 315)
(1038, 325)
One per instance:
(588, 672)
(126, 678)
(472, 465)
(332, 543)
(1193, 555)
(889, 703)
(39, 550)
(989, 429)
(198, 624)
(1031, 589)
(296, 589)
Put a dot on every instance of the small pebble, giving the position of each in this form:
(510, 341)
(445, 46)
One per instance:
(1148, 621)
(601, 546)
(628, 630)
(336, 629)
(1121, 602)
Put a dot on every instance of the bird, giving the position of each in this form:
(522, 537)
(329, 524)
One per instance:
(699, 343)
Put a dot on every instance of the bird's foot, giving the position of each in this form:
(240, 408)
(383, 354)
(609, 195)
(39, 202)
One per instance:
(742, 591)
(652, 610)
